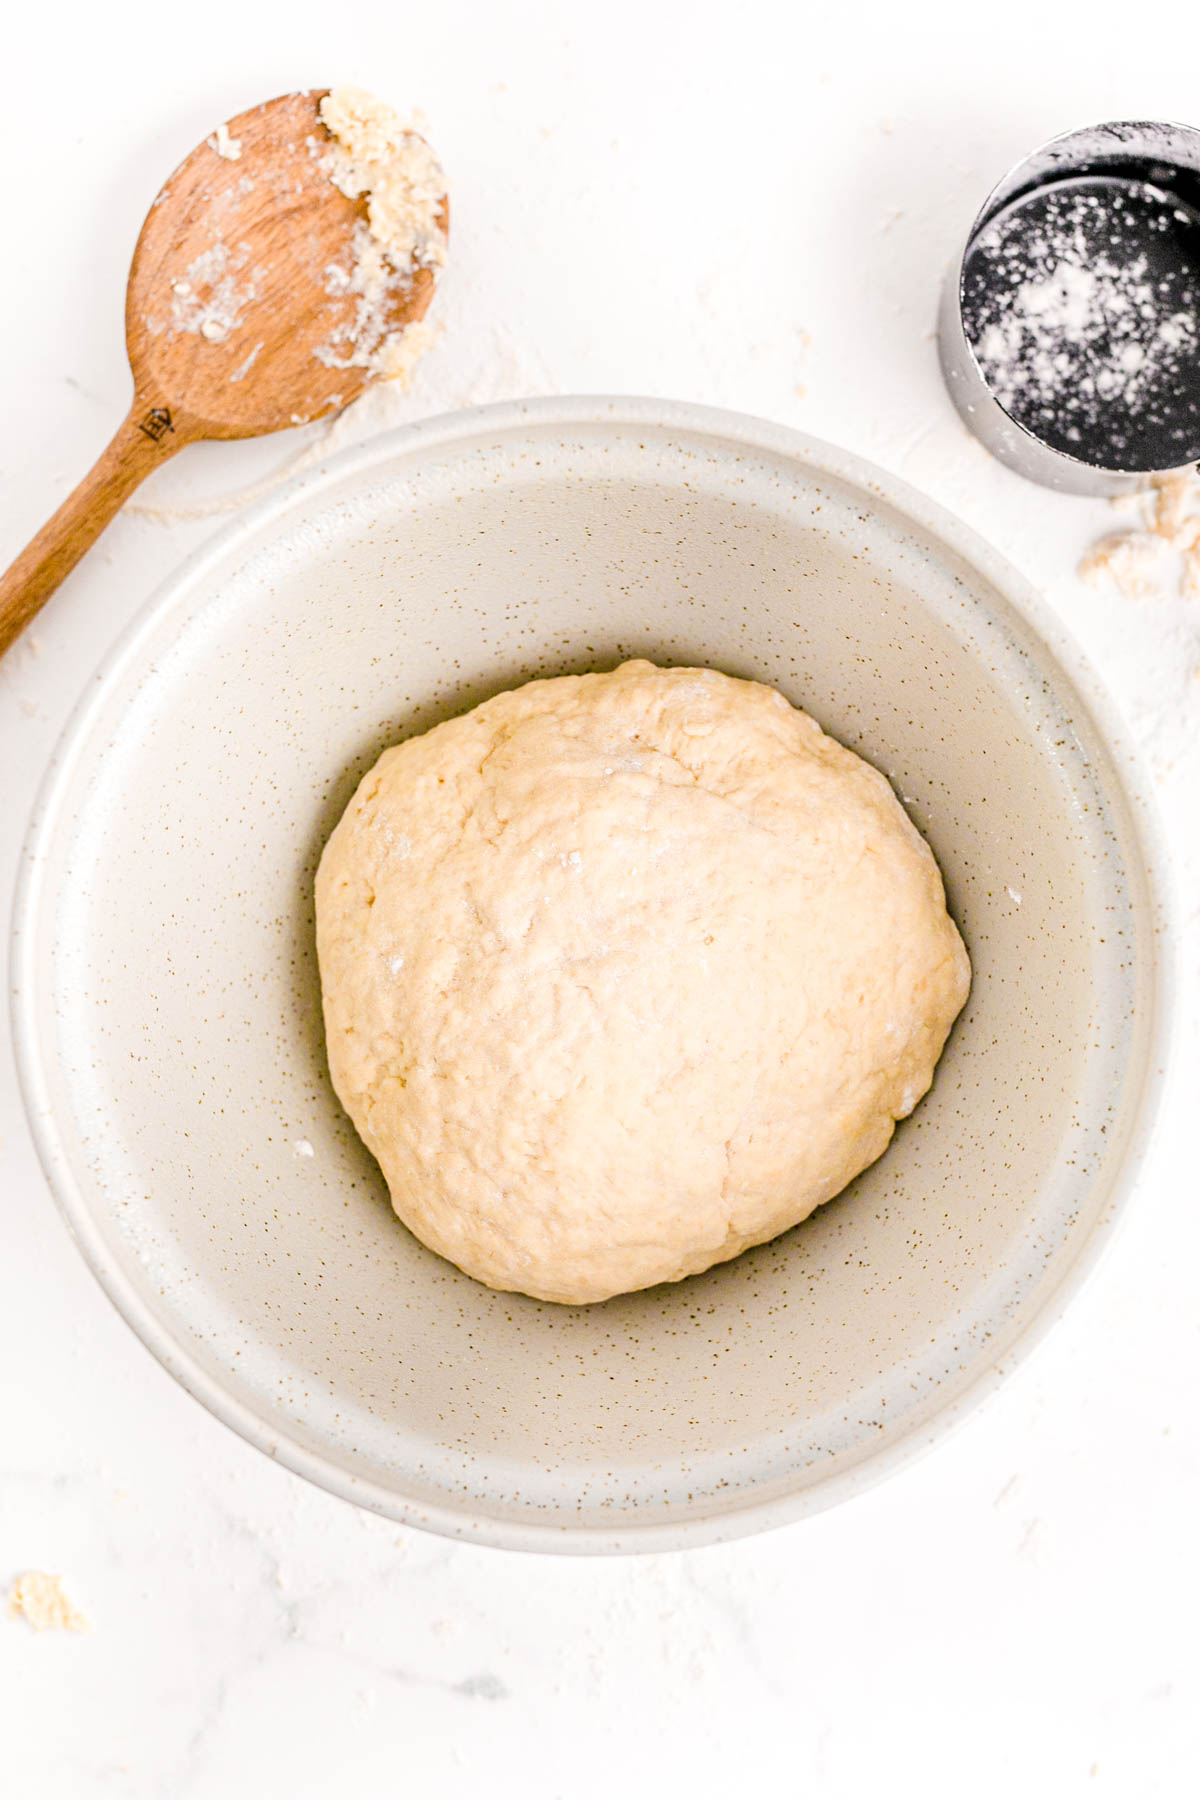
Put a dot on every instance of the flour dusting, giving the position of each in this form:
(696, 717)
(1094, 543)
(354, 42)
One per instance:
(1081, 302)
(211, 295)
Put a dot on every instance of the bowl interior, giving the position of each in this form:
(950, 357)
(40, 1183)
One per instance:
(172, 1043)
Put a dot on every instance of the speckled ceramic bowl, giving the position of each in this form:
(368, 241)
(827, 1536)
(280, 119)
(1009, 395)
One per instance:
(168, 1018)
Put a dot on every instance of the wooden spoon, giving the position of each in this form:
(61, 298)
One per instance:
(227, 317)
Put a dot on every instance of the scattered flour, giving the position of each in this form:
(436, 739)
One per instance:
(1082, 305)
(39, 1599)
(229, 287)
(1069, 310)
(487, 365)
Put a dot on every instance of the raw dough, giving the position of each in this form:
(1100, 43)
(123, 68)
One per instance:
(624, 973)
(42, 1600)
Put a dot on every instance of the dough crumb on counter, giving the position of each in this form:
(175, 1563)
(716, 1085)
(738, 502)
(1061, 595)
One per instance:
(40, 1599)
(1159, 559)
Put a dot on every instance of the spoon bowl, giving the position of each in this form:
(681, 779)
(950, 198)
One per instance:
(237, 307)
(243, 317)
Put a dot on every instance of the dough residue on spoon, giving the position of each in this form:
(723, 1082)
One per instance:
(228, 147)
(376, 157)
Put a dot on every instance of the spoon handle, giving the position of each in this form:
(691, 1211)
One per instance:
(146, 438)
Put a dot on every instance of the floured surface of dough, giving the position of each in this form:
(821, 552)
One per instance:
(624, 973)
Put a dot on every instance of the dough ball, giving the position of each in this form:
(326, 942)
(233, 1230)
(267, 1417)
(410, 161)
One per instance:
(624, 973)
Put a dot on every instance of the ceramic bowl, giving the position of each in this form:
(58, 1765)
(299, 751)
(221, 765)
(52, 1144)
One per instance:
(168, 1019)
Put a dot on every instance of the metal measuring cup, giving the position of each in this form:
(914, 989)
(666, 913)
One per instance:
(1164, 155)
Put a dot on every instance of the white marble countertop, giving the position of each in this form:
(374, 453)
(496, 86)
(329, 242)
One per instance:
(750, 206)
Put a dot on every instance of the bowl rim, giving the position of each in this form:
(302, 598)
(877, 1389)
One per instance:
(436, 434)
